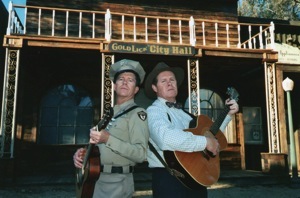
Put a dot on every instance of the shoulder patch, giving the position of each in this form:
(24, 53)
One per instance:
(142, 115)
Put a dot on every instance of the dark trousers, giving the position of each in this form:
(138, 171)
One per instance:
(165, 185)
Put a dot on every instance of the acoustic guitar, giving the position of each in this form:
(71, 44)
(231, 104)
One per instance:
(201, 168)
(87, 176)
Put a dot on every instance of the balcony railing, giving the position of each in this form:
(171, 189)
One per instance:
(109, 26)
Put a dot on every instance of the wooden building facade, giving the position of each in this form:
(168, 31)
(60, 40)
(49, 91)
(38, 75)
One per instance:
(58, 56)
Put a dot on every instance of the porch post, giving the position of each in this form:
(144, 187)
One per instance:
(9, 101)
(272, 110)
(274, 161)
(107, 93)
(194, 86)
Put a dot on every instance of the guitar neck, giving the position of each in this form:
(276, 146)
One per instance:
(101, 125)
(216, 125)
(87, 155)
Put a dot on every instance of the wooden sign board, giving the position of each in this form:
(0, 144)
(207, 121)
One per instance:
(154, 49)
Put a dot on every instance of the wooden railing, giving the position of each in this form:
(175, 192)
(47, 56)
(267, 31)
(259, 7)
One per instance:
(109, 26)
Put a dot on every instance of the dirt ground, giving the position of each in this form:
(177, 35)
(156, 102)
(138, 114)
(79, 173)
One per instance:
(223, 191)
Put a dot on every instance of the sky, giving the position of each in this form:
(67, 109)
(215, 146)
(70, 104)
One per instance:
(19, 2)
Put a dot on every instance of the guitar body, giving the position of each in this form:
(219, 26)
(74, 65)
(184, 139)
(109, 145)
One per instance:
(87, 177)
(197, 167)
(201, 168)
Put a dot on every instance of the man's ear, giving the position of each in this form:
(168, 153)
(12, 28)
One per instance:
(154, 88)
(136, 89)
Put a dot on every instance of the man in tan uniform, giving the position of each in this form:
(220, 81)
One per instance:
(125, 141)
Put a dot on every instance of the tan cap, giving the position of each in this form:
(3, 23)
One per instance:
(127, 65)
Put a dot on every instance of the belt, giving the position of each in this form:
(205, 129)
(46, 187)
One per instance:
(116, 169)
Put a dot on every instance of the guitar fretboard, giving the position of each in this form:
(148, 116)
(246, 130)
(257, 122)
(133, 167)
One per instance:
(216, 125)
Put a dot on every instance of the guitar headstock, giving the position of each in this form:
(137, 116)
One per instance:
(233, 94)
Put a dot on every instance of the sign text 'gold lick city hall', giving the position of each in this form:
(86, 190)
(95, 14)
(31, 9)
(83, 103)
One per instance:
(151, 49)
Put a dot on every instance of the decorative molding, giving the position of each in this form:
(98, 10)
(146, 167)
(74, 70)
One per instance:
(194, 87)
(272, 111)
(107, 93)
(9, 103)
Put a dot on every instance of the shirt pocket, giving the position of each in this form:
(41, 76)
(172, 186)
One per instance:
(120, 128)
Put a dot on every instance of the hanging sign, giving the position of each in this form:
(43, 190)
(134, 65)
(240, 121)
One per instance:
(154, 49)
(287, 53)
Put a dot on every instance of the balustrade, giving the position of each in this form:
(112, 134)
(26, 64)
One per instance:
(110, 26)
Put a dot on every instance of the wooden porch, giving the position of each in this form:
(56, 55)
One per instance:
(85, 29)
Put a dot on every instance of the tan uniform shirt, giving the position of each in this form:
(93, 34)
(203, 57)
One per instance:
(128, 141)
(126, 146)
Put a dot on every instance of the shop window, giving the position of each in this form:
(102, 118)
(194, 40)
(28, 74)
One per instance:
(66, 116)
(252, 125)
(211, 105)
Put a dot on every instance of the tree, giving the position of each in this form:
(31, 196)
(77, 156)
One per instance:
(271, 9)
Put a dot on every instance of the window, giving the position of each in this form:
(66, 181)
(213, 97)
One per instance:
(211, 105)
(66, 116)
(252, 125)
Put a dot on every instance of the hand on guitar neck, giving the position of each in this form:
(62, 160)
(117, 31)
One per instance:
(212, 145)
(80, 158)
(97, 137)
(233, 106)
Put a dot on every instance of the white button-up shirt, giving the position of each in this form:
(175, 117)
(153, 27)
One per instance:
(169, 134)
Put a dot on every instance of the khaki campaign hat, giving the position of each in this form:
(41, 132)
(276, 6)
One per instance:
(126, 65)
(160, 67)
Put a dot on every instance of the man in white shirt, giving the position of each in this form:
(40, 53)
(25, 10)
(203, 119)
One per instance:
(166, 126)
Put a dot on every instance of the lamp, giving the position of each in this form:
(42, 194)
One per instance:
(288, 86)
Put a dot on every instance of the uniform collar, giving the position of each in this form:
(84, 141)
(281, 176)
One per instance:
(122, 107)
